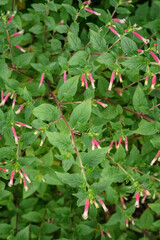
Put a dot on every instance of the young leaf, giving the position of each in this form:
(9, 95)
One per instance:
(139, 100)
(128, 45)
(97, 41)
(46, 112)
(68, 88)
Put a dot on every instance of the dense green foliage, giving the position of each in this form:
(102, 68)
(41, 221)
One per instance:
(80, 116)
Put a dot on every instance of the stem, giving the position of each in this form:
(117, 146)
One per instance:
(9, 42)
(12, 8)
(154, 107)
(71, 133)
(133, 83)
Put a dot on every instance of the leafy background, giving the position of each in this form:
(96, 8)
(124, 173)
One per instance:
(65, 171)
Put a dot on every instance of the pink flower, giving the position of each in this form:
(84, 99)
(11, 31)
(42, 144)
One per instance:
(4, 169)
(25, 185)
(15, 135)
(65, 76)
(11, 17)
(10, 184)
(103, 206)
(123, 203)
(14, 101)
(108, 234)
(86, 2)
(85, 214)
(83, 79)
(153, 81)
(126, 144)
(92, 80)
(146, 41)
(20, 48)
(114, 31)
(18, 33)
(120, 78)
(155, 57)
(140, 51)
(94, 142)
(144, 198)
(92, 11)
(119, 142)
(17, 123)
(110, 146)
(116, 144)
(19, 109)
(146, 81)
(137, 200)
(104, 105)
(122, 21)
(42, 78)
(5, 98)
(127, 223)
(111, 81)
(154, 159)
(96, 204)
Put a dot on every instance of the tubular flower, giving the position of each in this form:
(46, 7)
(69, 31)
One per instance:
(127, 223)
(92, 80)
(15, 135)
(137, 200)
(5, 98)
(146, 81)
(122, 21)
(41, 81)
(110, 146)
(104, 105)
(111, 81)
(123, 203)
(146, 41)
(104, 206)
(65, 76)
(144, 198)
(14, 101)
(11, 17)
(85, 214)
(17, 123)
(10, 184)
(96, 204)
(4, 170)
(154, 159)
(25, 185)
(20, 48)
(126, 144)
(153, 81)
(155, 57)
(92, 11)
(94, 142)
(19, 109)
(108, 234)
(119, 142)
(114, 31)
(84, 81)
(86, 2)
(140, 51)
(120, 78)
(18, 33)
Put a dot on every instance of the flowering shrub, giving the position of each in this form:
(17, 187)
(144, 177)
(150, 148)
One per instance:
(80, 120)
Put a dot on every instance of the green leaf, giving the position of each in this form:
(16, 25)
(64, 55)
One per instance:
(5, 230)
(50, 23)
(128, 45)
(6, 152)
(97, 41)
(49, 228)
(81, 114)
(156, 141)
(139, 100)
(32, 216)
(155, 207)
(84, 230)
(3, 2)
(120, 154)
(106, 59)
(23, 59)
(68, 88)
(48, 158)
(93, 158)
(74, 42)
(52, 179)
(138, 63)
(146, 219)
(79, 58)
(60, 140)
(3, 70)
(39, 7)
(70, 9)
(147, 128)
(46, 112)
(74, 180)
(23, 234)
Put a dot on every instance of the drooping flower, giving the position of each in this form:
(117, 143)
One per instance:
(122, 21)
(4, 170)
(94, 142)
(15, 135)
(155, 57)
(11, 17)
(25, 185)
(126, 144)
(154, 159)
(5, 98)
(84, 81)
(127, 223)
(120, 78)
(104, 105)
(18, 33)
(14, 101)
(92, 80)
(108, 234)
(140, 51)
(19, 109)
(114, 31)
(146, 81)
(144, 198)
(119, 142)
(92, 11)
(111, 81)
(17, 123)
(86, 2)
(137, 200)
(104, 206)
(110, 146)
(153, 81)
(41, 81)
(96, 204)
(10, 184)
(85, 214)
(65, 76)
(123, 203)
(20, 48)
(146, 41)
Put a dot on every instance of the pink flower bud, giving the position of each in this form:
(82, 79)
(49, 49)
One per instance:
(27, 178)
(18, 33)
(103, 206)
(146, 81)
(155, 57)
(126, 144)
(85, 214)
(17, 123)
(4, 170)
(19, 109)
(86, 2)
(65, 76)
(104, 105)
(25, 185)
(110, 146)
(42, 78)
(11, 17)
(5, 98)
(120, 78)
(119, 142)
(92, 11)
(14, 101)
(153, 81)
(20, 48)
(146, 41)
(137, 200)
(15, 135)
(114, 31)
(92, 80)
(108, 234)
(96, 204)
(116, 144)
(111, 81)
(140, 51)
(127, 223)
(144, 198)
(94, 142)
(154, 159)
(10, 184)
(122, 21)
(123, 204)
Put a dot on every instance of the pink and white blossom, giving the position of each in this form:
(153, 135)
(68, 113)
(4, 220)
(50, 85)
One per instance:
(108, 234)
(10, 184)
(18, 33)
(137, 200)
(114, 31)
(19, 109)
(153, 81)
(146, 41)
(155, 57)
(123, 203)
(11, 17)
(65, 76)
(17, 123)
(5, 98)
(122, 21)
(15, 135)
(92, 11)
(14, 101)
(111, 81)
(146, 81)
(20, 48)
(110, 146)
(85, 214)
(104, 105)
(4, 170)
(94, 142)
(41, 81)
(103, 206)
(126, 144)
(92, 80)
(120, 78)
(154, 159)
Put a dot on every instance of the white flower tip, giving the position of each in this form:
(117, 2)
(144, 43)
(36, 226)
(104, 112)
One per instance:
(85, 215)
(10, 184)
(136, 204)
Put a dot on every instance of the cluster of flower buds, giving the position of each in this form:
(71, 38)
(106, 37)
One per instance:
(84, 81)
(86, 208)
(118, 144)
(23, 176)
(127, 222)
